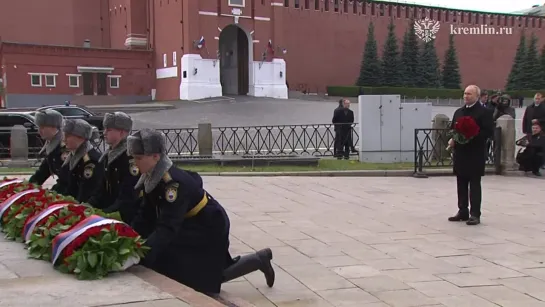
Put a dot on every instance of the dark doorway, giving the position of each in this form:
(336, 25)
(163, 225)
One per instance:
(102, 84)
(234, 51)
(88, 83)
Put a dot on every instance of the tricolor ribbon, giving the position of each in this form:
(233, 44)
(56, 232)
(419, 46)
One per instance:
(6, 183)
(5, 205)
(65, 238)
(32, 222)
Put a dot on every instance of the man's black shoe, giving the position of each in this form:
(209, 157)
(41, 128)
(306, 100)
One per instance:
(458, 217)
(473, 221)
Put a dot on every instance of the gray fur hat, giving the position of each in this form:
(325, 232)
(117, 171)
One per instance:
(117, 120)
(79, 127)
(146, 142)
(49, 118)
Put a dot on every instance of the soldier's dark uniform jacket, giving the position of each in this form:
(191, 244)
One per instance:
(85, 172)
(186, 228)
(54, 154)
(116, 191)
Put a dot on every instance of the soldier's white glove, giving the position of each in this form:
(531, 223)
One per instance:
(130, 262)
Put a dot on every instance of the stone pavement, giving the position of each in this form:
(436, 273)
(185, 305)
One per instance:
(373, 242)
(378, 242)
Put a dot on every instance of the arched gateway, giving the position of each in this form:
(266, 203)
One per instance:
(236, 58)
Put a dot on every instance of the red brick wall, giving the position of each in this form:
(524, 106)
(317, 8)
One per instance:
(59, 22)
(325, 48)
(19, 60)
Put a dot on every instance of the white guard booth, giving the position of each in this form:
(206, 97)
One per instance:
(386, 127)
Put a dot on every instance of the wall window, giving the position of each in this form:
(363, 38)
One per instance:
(236, 3)
(50, 80)
(35, 80)
(73, 80)
(114, 81)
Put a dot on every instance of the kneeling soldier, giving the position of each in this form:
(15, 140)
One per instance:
(116, 191)
(49, 124)
(82, 162)
(185, 227)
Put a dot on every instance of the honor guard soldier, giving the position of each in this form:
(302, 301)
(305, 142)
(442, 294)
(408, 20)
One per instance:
(82, 163)
(186, 229)
(49, 126)
(116, 192)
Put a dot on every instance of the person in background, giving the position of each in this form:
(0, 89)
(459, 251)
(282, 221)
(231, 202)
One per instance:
(521, 101)
(534, 111)
(337, 142)
(484, 98)
(82, 162)
(345, 117)
(186, 228)
(503, 107)
(116, 192)
(469, 161)
(533, 156)
(49, 124)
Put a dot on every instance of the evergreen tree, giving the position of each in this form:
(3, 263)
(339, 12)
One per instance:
(370, 65)
(531, 71)
(391, 73)
(451, 72)
(409, 57)
(428, 67)
(515, 78)
(542, 69)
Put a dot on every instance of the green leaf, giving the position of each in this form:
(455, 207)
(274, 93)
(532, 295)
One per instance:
(42, 242)
(92, 259)
(124, 251)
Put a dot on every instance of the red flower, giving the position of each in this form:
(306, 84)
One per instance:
(467, 127)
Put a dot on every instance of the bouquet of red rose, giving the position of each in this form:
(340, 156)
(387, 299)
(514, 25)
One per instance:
(8, 187)
(465, 129)
(97, 246)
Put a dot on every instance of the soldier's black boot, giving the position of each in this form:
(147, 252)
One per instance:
(250, 263)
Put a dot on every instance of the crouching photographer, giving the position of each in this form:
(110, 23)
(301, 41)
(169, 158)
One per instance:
(503, 107)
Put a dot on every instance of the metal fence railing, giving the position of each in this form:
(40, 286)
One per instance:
(311, 139)
(430, 149)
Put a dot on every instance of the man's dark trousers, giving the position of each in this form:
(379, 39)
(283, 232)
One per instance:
(469, 191)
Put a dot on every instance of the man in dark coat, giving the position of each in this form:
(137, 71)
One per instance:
(337, 143)
(344, 118)
(82, 162)
(116, 192)
(534, 111)
(469, 162)
(50, 124)
(186, 229)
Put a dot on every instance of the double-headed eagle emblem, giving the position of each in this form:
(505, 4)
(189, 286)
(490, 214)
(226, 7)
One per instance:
(426, 29)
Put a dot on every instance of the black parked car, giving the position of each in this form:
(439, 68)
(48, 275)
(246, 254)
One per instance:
(75, 111)
(11, 118)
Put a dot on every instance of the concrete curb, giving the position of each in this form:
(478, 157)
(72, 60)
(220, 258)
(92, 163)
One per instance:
(185, 293)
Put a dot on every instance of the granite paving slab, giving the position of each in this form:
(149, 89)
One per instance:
(365, 242)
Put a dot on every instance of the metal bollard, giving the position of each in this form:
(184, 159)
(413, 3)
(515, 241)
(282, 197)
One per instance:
(419, 173)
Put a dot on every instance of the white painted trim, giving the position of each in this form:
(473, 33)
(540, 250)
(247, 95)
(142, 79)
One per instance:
(216, 38)
(118, 78)
(77, 76)
(208, 13)
(255, 41)
(237, 16)
(164, 73)
(238, 5)
(32, 74)
(95, 69)
(50, 74)
(114, 76)
(54, 80)
(262, 18)
(277, 4)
